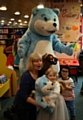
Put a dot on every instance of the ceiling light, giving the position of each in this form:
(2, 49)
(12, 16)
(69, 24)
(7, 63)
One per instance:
(26, 16)
(19, 20)
(3, 8)
(2, 21)
(17, 13)
(25, 22)
(20, 23)
(10, 22)
(40, 6)
(12, 19)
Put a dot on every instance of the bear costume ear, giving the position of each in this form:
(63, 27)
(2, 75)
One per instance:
(34, 11)
(56, 10)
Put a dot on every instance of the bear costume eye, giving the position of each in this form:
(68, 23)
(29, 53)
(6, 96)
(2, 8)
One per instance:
(45, 19)
(54, 19)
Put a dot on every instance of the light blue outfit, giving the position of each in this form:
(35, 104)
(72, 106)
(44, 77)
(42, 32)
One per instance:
(40, 36)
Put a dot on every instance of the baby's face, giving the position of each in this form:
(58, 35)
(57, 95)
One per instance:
(64, 73)
(51, 76)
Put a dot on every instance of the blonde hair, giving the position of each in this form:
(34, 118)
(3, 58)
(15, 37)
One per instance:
(51, 69)
(33, 57)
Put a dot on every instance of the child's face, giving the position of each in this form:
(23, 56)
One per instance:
(51, 76)
(64, 73)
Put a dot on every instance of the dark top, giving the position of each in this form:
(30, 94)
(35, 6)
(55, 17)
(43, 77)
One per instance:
(27, 84)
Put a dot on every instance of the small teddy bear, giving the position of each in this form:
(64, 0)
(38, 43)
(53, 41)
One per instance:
(44, 87)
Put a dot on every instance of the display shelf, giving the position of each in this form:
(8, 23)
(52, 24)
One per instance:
(8, 35)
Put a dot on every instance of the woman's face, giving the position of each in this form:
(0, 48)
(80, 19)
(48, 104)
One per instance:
(64, 73)
(37, 65)
(51, 76)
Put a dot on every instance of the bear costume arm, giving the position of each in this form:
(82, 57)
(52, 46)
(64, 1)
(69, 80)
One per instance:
(60, 47)
(23, 45)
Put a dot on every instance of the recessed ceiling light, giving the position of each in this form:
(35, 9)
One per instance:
(9, 22)
(26, 16)
(19, 20)
(3, 8)
(40, 6)
(17, 13)
(25, 22)
(21, 24)
(12, 19)
(2, 21)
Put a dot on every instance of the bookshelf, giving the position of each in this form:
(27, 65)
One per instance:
(7, 35)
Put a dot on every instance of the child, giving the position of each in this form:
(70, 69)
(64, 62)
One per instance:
(68, 94)
(60, 111)
(51, 75)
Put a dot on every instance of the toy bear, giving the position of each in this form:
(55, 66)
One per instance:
(41, 36)
(48, 60)
(44, 87)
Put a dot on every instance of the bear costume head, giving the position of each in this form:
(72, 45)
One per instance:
(44, 21)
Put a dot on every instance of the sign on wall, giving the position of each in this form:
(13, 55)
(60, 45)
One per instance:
(69, 20)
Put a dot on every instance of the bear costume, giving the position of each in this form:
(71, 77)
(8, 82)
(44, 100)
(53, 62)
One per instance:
(41, 37)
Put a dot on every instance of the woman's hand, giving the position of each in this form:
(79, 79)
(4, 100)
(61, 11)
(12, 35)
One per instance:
(39, 107)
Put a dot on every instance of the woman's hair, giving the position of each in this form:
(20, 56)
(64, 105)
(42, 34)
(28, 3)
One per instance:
(33, 57)
(51, 69)
(65, 67)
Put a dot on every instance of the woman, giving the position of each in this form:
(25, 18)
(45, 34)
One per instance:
(24, 104)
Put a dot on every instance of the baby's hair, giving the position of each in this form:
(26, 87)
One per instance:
(51, 69)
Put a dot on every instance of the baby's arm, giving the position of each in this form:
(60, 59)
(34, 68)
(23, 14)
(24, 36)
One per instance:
(70, 86)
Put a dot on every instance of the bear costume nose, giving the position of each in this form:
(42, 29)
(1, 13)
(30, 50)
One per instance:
(54, 24)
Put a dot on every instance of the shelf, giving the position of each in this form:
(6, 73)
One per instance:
(6, 39)
(8, 35)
